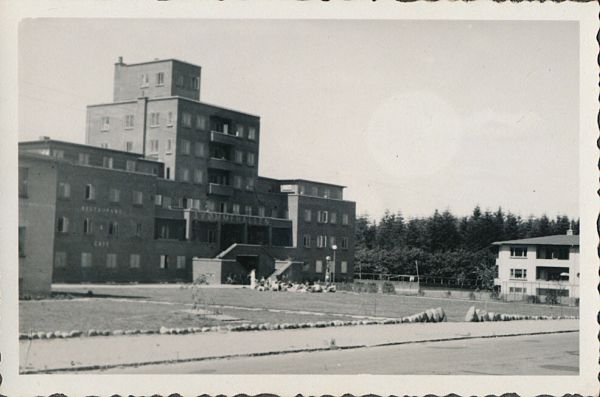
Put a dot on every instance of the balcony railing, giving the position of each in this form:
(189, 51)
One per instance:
(223, 190)
(221, 164)
(221, 137)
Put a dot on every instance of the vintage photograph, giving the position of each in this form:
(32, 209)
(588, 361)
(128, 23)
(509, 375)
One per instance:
(299, 197)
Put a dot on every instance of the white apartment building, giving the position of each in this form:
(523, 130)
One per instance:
(543, 267)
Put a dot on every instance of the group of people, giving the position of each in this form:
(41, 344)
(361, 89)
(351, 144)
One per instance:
(283, 285)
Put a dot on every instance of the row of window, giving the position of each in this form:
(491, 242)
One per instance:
(88, 228)
(114, 194)
(542, 252)
(211, 206)
(60, 260)
(321, 241)
(325, 217)
(193, 82)
(330, 267)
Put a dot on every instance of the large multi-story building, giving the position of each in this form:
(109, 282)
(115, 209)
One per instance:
(164, 179)
(541, 267)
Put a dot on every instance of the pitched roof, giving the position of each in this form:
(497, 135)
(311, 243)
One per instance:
(559, 239)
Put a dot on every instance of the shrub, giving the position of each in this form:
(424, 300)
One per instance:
(388, 288)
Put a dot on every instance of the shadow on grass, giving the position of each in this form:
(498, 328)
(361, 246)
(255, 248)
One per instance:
(91, 294)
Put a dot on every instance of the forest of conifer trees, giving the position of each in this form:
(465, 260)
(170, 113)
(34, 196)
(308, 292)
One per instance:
(444, 245)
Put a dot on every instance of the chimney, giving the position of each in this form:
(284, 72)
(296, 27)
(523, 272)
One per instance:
(120, 60)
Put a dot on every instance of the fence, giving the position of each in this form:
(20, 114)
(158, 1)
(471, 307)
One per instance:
(427, 280)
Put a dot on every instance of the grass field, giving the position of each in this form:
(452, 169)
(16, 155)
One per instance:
(124, 307)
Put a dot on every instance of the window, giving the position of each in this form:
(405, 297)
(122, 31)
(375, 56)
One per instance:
(319, 266)
(179, 80)
(237, 182)
(60, 259)
(239, 156)
(158, 199)
(552, 252)
(145, 80)
(128, 146)
(154, 145)
(62, 225)
(331, 241)
(185, 174)
(86, 259)
(84, 158)
(239, 130)
(180, 262)
(111, 261)
(306, 240)
(250, 183)
(321, 241)
(517, 290)
(248, 209)
(345, 219)
(326, 193)
(223, 207)
(114, 195)
(90, 193)
(307, 215)
(22, 231)
(198, 176)
(113, 229)
(518, 252)
(58, 153)
(344, 267)
(23, 181)
(130, 165)
(185, 146)
(134, 261)
(210, 206)
(160, 78)
(129, 121)
(333, 218)
(170, 119)
(195, 204)
(212, 236)
(138, 229)
(107, 162)
(166, 202)
(252, 133)
(169, 145)
(261, 211)
(322, 216)
(344, 243)
(199, 149)
(314, 191)
(518, 273)
(274, 213)
(154, 119)
(201, 122)
(250, 159)
(195, 83)
(87, 226)
(105, 123)
(164, 261)
(104, 145)
(236, 209)
(186, 119)
(138, 198)
(64, 190)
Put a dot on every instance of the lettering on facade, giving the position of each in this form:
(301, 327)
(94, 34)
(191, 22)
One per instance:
(98, 243)
(89, 208)
(231, 218)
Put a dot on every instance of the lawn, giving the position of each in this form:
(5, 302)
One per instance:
(124, 307)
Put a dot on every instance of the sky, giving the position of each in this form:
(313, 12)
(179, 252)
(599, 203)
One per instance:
(411, 116)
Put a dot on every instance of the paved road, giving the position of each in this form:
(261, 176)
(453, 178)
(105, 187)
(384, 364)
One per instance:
(550, 354)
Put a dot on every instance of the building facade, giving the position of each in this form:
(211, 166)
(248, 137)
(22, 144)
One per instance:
(544, 267)
(164, 178)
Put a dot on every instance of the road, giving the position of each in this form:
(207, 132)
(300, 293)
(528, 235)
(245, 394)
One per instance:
(550, 354)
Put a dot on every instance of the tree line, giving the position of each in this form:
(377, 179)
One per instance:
(444, 245)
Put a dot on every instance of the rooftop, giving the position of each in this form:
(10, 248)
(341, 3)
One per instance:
(559, 239)
(293, 181)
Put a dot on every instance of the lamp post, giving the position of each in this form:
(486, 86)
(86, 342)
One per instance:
(560, 284)
(327, 260)
(334, 248)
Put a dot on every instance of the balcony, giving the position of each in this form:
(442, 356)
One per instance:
(222, 190)
(226, 139)
(221, 164)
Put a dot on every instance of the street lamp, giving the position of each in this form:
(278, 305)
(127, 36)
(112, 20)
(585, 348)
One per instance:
(327, 260)
(560, 284)
(334, 248)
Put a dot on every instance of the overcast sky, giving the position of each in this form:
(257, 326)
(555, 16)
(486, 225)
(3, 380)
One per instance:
(412, 116)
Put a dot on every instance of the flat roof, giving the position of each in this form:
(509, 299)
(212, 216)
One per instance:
(138, 156)
(309, 181)
(558, 239)
(158, 61)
